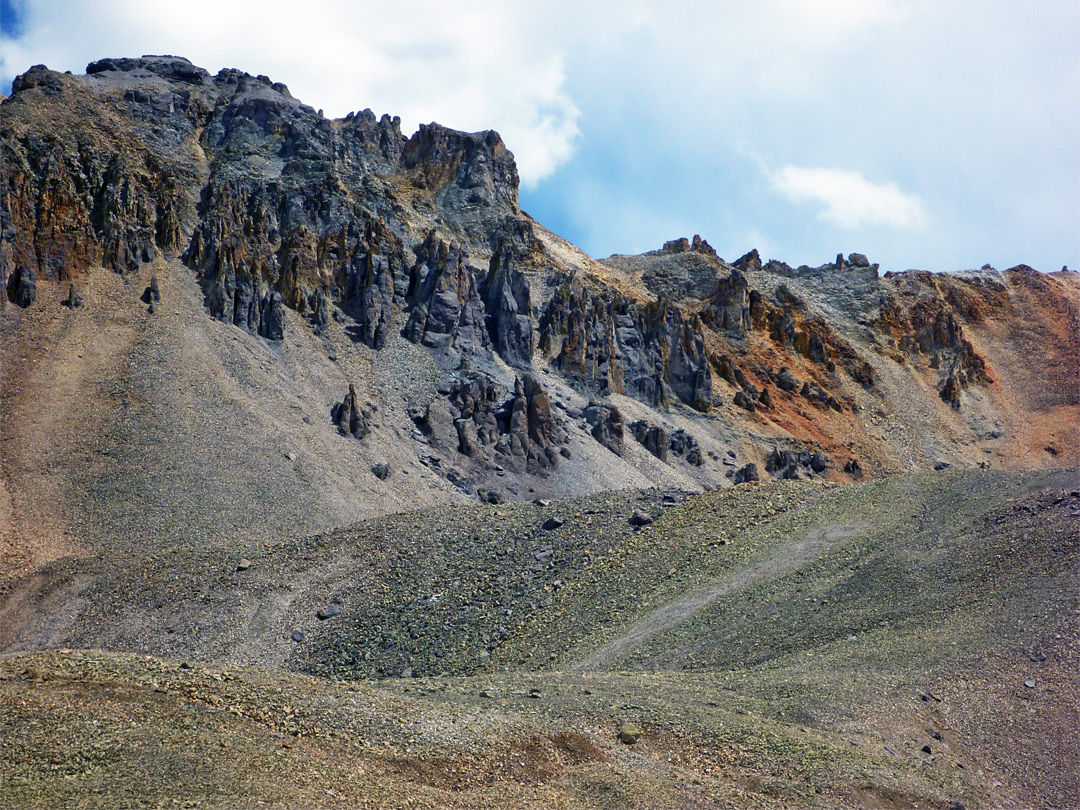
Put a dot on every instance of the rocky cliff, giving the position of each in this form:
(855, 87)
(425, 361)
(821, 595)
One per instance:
(294, 256)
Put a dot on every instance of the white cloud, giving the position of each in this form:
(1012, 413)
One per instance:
(849, 199)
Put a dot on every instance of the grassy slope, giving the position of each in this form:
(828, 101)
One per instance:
(809, 685)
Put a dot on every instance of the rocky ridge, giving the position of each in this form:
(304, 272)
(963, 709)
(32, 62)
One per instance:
(323, 233)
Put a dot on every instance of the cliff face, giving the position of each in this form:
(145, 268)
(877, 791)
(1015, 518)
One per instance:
(477, 341)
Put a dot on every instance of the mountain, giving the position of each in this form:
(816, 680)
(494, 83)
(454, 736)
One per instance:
(256, 364)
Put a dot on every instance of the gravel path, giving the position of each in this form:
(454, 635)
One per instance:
(812, 545)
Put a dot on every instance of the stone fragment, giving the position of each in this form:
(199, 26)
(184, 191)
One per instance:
(381, 471)
(348, 417)
(297, 635)
(328, 612)
(640, 518)
(629, 733)
(747, 473)
(607, 426)
(244, 564)
(22, 287)
(552, 523)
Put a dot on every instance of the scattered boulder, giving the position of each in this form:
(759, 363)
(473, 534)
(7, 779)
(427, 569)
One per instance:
(653, 437)
(742, 400)
(552, 523)
(659, 442)
(73, 301)
(747, 473)
(640, 518)
(629, 733)
(381, 471)
(22, 287)
(853, 468)
(348, 418)
(795, 464)
(607, 426)
(152, 293)
(244, 564)
(297, 635)
(328, 612)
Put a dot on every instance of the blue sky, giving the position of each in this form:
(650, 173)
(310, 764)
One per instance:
(933, 135)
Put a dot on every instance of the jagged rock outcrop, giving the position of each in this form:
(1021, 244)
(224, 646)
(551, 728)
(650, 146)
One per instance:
(791, 464)
(729, 309)
(746, 474)
(660, 442)
(474, 417)
(348, 417)
(332, 233)
(606, 424)
(506, 294)
(447, 312)
(653, 437)
(654, 352)
(22, 287)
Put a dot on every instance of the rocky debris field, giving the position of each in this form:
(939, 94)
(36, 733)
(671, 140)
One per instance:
(787, 644)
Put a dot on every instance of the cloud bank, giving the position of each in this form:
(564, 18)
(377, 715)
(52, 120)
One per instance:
(849, 199)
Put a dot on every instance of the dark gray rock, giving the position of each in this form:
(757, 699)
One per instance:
(653, 437)
(786, 380)
(381, 471)
(652, 352)
(73, 301)
(729, 307)
(607, 426)
(747, 473)
(328, 612)
(507, 299)
(347, 416)
(447, 312)
(853, 468)
(22, 287)
(552, 523)
(297, 635)
(640, 518)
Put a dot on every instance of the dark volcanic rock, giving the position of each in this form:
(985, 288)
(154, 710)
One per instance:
(73, 301)
(746, 474)
(22, 288)
(652, 352)
(474, 417)
(507, 300)
(607, 426)
(653, 437)
(348, 418)
(447, 312)
(729, 309)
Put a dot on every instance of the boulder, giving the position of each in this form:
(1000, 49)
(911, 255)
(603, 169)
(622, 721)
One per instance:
(747, 473)
(22, 287)
(607, 426)
(348, 417)
(653, 437)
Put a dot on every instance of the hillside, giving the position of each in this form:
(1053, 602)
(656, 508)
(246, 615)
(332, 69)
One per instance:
(311, 407)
